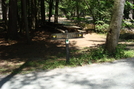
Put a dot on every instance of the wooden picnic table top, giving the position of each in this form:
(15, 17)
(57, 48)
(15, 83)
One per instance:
(72, 27)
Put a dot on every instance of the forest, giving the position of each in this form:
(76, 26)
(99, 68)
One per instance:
(26, 27)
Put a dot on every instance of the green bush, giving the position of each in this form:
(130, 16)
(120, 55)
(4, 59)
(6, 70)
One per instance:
(101, 27)
(97, 54)
(127, 24)
(120, 51)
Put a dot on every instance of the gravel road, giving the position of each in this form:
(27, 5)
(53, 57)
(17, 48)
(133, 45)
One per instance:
(115, 75)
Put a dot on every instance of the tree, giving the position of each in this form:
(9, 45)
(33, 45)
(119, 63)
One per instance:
(4, 10)
(25, 19)
(115, 26)
(77, 8)
(33, 14)
(56, 11)
(12, 28)
(50, 9)
(4, 13)
(43, 18)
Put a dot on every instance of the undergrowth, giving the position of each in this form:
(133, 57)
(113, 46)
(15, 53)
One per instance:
(87, 56)
(77, 58)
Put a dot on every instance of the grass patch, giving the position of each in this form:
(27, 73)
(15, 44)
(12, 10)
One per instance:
(78, 58)
(97, 55)
(129, 54)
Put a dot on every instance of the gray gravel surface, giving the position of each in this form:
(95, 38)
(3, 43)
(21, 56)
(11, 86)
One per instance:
(115, 75)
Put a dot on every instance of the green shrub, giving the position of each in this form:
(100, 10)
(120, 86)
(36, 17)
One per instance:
(127, 24)
(79, 58)
(97, 54)
(120, 51)
(101, 27)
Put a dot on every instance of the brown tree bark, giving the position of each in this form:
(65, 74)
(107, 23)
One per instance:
(24, 16)
(115, 26)
(56, 11)
(4, 13)
(33, 14)
(4, 10)
(12, 28)
(43, 17)
(50, 9)
(77, 8)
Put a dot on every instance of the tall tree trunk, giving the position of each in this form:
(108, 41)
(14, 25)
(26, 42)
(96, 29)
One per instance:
(56, 11)
(12, 28)
(4, 13)
(43, 17)
(77, 8)
(4, 10)
(25, 19)
(115, 26)
(50, 9)
(33, 14)
(29, 11)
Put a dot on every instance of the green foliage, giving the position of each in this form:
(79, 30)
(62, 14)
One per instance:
(129, 53)
(78, 19)
(101, 10)
(129, 5)
(101, 27)
(88, 56)
(97, 54)
(120, 51)
(127, 24)
(78, 58)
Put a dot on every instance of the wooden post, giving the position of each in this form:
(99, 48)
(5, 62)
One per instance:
(67, 48)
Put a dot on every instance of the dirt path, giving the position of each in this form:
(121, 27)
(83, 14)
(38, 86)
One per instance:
(89, 40)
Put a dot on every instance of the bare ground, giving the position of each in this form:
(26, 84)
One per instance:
(16, 53)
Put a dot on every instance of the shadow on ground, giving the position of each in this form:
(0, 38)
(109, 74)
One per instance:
(16, 57)
(100, 76)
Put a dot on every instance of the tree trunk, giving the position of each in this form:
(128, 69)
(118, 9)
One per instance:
(50, 9)
(12, 29)
(4, 13)
(56, 11)
(29, 11)
(115, 26)
(25, 19)
(77, 9)
(43, 18)
(33, 14)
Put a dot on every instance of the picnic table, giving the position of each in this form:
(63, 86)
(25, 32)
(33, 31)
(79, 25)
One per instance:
(72, 28)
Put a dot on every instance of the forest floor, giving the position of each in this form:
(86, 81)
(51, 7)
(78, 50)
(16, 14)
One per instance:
(15, 54)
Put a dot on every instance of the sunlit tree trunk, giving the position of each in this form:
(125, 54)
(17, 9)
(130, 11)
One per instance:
(115, 26)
